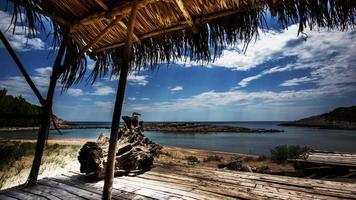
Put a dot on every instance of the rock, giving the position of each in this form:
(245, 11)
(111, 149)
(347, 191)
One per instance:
(263, 169)
(234, 165)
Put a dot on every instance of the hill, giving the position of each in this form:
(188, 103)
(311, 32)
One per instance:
(17, 112)
(340, 118)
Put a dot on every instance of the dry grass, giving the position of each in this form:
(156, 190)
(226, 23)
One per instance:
(15, 167)
(212, 159)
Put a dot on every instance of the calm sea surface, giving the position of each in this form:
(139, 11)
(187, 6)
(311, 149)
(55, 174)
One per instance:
(252, 143)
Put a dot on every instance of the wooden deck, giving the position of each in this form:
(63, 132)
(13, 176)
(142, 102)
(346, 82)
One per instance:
(325, 158)
(178, 182)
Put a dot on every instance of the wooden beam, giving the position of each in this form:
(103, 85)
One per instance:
(99, 37)
(22, 69)
(119, 101)
(123, 10)
(180, 26)
(134, 36)
(102, 4)
(185, 12)
(145, 36)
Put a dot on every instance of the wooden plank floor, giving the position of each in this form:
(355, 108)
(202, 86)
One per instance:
(179, 182)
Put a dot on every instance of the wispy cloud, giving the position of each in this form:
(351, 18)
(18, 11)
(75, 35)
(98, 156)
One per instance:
(75, 92)
(176, 89)
(329, 55)
(19, 41)
(131, 98)
(108, 105)
(140, 80)
(17, 85)
(297, 81)
(101, 89)
(236, 98)
(267, 47)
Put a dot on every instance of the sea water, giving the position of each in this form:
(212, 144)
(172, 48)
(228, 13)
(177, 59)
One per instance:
(250, 143)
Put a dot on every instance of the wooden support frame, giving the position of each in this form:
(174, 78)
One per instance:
(102, 4)
(22, 69)
(180, 26)
(46, 116)
(120, 94)
(123, 10)
(134, 36)
(185, 12)
(99, 37)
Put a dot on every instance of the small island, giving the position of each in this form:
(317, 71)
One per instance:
(340, 118)
(193, 127)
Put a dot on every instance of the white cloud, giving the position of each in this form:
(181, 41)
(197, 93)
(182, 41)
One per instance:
(329, 55)
(131, 98)
(145, 99)
(265, 48)
(19, 41)
(140, 80)
(102, 90)
(230, 99)
(109, 105)
(176, 89)
(297, 81)
(17, 85)
(75, 92)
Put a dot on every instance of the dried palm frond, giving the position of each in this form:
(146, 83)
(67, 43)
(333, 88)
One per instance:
(164, 32)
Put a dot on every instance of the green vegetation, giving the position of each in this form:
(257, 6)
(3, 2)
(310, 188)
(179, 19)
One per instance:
(13, 151)
(191, 159)
(213, 158)
(342, 114)
(17, 112)
(281, 154)
(15, 157)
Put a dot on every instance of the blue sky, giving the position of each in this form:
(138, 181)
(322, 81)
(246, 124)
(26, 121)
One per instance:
(280, 77)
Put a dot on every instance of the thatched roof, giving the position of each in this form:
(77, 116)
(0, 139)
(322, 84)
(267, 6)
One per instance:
(166, 30)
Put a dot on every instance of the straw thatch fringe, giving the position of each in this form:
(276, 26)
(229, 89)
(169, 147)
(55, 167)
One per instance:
(202, 42)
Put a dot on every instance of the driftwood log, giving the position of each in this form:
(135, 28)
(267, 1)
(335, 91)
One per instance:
(135, 152)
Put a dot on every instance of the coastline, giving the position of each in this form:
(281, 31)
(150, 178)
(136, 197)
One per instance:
(164, 127)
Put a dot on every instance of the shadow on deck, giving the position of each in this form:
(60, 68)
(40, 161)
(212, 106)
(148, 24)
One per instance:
(180, 182)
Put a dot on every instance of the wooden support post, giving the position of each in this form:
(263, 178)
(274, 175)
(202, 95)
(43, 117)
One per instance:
(185, 12)
(120, 94)
(46, 116)
(22, 69)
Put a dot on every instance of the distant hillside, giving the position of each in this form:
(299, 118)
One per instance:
(340, 118)
(17, 112)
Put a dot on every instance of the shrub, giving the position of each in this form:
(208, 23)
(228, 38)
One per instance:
(191, 159)
(213, 158)
(282, 153)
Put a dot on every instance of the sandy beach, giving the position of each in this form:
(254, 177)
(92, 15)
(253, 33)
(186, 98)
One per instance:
(65, 159)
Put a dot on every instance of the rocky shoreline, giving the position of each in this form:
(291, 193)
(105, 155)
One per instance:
(340, 118)
(165, 127)
(192, 127)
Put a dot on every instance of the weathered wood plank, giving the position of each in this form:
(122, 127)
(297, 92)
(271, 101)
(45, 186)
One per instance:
(71, 189)
(18, 194)
(4, 197)
(117, 193)
(277, 180)
(42, 191)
